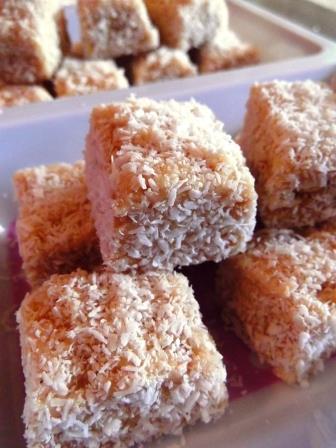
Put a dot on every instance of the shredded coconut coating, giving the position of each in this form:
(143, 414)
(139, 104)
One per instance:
(226, 51)
(187, 24)
(116, 360)
(289, 140)
(30, 40)
(77, 77)
(167, 185)
(19, 95)
(112, 28)
(281, 297)
(54, 227)
(164, 63)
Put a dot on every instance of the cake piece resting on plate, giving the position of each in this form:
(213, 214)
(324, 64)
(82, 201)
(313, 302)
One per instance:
(161, 64)
(281, 297)
(226, 51)
(188, 24)
(78, 77)
(30, 40)
(112, 28)
(116, 360)
(289, 140)
(54, 227)
(19, 95)
(167, 185)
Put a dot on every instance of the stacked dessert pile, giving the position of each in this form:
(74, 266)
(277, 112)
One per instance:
(114, 351)
(280, 294)
(150, 39)
(113, 346)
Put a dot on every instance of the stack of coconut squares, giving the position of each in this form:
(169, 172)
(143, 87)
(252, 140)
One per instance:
(113, 346)
(280, 295)
(117, 353)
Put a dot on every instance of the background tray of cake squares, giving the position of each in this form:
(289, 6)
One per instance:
(87, 57)
(263, 412)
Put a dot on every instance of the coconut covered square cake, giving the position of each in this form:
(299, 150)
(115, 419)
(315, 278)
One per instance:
(289, 140)
(112, 28)
(55, 229)
(116, 360)
(187, 24)
(280, 296)
(226, 51)
(78, 77)
(167, 185)
(30, 40)
(19, 95)
(162, 64)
